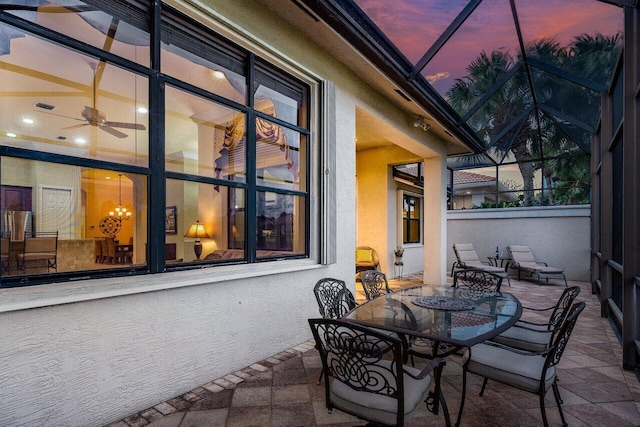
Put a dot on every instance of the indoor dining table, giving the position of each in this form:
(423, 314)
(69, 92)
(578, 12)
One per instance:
(451, 317)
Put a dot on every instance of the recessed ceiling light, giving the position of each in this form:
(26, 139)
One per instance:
(44, 106)
(11, 134)
(142, 110)
(80, 141)
(107, 177)
(218, 74)
(27, 120)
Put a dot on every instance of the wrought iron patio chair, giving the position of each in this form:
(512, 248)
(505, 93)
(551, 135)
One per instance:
(334, 301)
(374, 284)
(467, 258)
(537, 336)
(370, 380)
(477, 280)
(474, 281)
(334, 298)
(534, 372)
(523, 260)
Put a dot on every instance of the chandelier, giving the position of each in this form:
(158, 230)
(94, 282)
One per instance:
(120, 212)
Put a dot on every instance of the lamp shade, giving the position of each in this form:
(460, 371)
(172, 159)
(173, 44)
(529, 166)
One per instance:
(197, 231)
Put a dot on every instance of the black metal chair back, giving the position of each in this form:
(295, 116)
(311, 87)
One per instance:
(374, 284)
(561, 309)
(477, 280)
(367, 367)
(334, 298)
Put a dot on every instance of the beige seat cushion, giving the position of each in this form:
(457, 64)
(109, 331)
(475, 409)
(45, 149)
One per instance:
(379, 407)
(506, 366)
(525, 339)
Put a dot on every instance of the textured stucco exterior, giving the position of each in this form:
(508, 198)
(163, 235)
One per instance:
(89, 353)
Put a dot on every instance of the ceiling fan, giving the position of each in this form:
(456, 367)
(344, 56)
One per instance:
(94, 117)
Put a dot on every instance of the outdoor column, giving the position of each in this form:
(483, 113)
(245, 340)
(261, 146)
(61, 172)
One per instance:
(435, 220)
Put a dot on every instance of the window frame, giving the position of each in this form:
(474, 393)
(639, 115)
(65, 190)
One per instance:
(405, 222)
(155, 174)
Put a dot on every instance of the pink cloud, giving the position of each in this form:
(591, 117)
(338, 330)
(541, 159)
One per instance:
(413, 25)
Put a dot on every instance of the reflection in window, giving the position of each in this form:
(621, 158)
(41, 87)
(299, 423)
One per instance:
(97, 217)
(87, 113)
(123, 30)
(280, 225)
(72, 104)
(191, 56)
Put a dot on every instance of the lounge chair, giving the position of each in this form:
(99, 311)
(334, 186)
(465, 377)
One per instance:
(522, 259)
(467, 258)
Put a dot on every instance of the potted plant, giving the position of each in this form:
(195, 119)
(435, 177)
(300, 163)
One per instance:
(398, 254)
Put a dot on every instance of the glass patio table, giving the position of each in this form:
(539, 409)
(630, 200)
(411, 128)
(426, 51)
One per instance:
(453, 317)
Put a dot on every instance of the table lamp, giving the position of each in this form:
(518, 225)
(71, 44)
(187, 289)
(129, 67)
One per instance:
(197, 231)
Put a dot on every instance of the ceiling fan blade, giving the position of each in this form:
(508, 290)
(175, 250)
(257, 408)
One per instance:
(59, 115)
(125, 125)
(113, 131)
(76, 126)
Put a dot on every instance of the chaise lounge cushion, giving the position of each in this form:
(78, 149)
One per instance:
(468, 258)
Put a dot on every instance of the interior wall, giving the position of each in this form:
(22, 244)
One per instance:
(557, 235)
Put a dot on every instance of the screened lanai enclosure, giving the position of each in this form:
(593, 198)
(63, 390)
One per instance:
(523, 85)
(523, 79)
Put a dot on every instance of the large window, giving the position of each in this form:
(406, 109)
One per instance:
(107, 155)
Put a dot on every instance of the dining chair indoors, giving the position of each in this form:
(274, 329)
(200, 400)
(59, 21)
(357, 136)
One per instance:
(537, 336)
(533, 372)
(365, 375)
(374, 284)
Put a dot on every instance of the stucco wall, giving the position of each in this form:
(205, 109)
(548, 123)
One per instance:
(559, 236)
(92, 352)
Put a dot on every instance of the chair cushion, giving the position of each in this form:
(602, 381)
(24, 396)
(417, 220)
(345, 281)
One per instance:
(466, 253)
(34, 256)
(480, 266)
(505, 366)
(537, 268)
(364, 255)
(379, 407)
(524, 339)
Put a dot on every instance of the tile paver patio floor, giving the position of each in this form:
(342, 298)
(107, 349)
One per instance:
(282, 390)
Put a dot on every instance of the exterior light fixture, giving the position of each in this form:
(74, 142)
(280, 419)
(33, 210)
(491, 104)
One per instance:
(421, 123)
(197, 231)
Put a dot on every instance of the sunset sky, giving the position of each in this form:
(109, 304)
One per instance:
(413, 26)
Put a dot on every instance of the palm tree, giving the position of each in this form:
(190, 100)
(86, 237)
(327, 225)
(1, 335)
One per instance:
(538, 135)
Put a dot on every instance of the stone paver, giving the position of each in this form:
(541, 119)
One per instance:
(282, 390)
